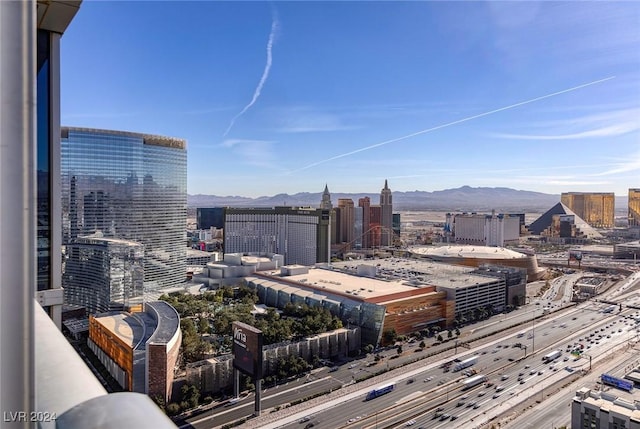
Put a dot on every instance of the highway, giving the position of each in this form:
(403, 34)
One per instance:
(556, 411)
(509, 374)
(415, 402)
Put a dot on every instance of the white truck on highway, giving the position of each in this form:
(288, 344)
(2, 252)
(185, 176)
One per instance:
(465, 363)
(551, 356)
(473, 381)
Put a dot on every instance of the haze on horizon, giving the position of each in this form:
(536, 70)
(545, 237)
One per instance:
(283, 97)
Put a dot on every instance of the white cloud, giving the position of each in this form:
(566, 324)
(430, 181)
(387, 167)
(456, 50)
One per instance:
(265, 73)
(604, 124)
(632, 163)
(609, 131)
(259, 153)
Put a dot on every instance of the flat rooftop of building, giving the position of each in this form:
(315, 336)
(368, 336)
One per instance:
(364, 288)
(168, 321)
(358, 287)
(420, 272)
(615, 400)
(133, 329)
(193, 253)
(98, 237)
(467, 251)
(596, 249)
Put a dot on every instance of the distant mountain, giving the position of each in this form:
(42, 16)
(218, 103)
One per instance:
(464, 198)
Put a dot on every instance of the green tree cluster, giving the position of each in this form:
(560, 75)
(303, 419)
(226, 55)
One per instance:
(291, 366)
(194, 348)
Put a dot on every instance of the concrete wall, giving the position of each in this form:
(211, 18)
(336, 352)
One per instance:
(213, 375)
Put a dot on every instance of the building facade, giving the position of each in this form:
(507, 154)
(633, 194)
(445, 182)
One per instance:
(386, 215)
(347, 222)
(484, 230)
(132, 187)
(210, 217)
(604, 410)
(596, 208)
(103, 274)
(140, 350)
(634, 207)
(216, 374)
(365, 204)
(300, 234)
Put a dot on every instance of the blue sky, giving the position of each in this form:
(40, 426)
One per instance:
(283, 97)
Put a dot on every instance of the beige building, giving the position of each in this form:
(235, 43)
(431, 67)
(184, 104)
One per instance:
(596, 208)
(634, 207)
(613, 409)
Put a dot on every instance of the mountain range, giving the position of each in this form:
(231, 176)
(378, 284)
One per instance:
(465, 198)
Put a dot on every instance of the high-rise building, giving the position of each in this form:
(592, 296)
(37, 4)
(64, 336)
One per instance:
(365, 204)
(634, 206)
(386, 209)
(396, 225)
(38, 366)
(208, 217)
(301, 235)
(104, 273)
(595, 208)
(484, 230)
(127, 186)
(325, 204)
(347, 221)
(375, 226)
(358, 232)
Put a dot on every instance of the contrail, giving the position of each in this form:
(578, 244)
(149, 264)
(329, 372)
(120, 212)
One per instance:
(265, 73)
(459, 121)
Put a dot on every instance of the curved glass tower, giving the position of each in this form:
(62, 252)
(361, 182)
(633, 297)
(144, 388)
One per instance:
(127, 186)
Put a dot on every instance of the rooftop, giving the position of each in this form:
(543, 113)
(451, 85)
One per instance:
(150, 139)
(168, 321)
(417, 272)
(467, 251)
(360, 287)
(133, 329)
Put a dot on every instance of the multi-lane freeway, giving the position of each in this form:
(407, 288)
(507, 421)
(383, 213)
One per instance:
(435, 397)
(428, 395)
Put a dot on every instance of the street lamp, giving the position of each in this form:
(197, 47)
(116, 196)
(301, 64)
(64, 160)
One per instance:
(533, 333)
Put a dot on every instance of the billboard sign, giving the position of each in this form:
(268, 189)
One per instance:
(567, 218)
(247, 349)
(575, 255)
(616, 382)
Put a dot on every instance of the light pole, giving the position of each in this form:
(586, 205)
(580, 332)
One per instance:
(533, 333)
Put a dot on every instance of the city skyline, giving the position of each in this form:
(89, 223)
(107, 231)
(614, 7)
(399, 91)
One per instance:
(285, 97)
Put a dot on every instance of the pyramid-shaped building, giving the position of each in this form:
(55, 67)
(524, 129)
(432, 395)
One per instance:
(561, 221)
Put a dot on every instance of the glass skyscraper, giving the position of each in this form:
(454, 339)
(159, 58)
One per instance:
(127, 186)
